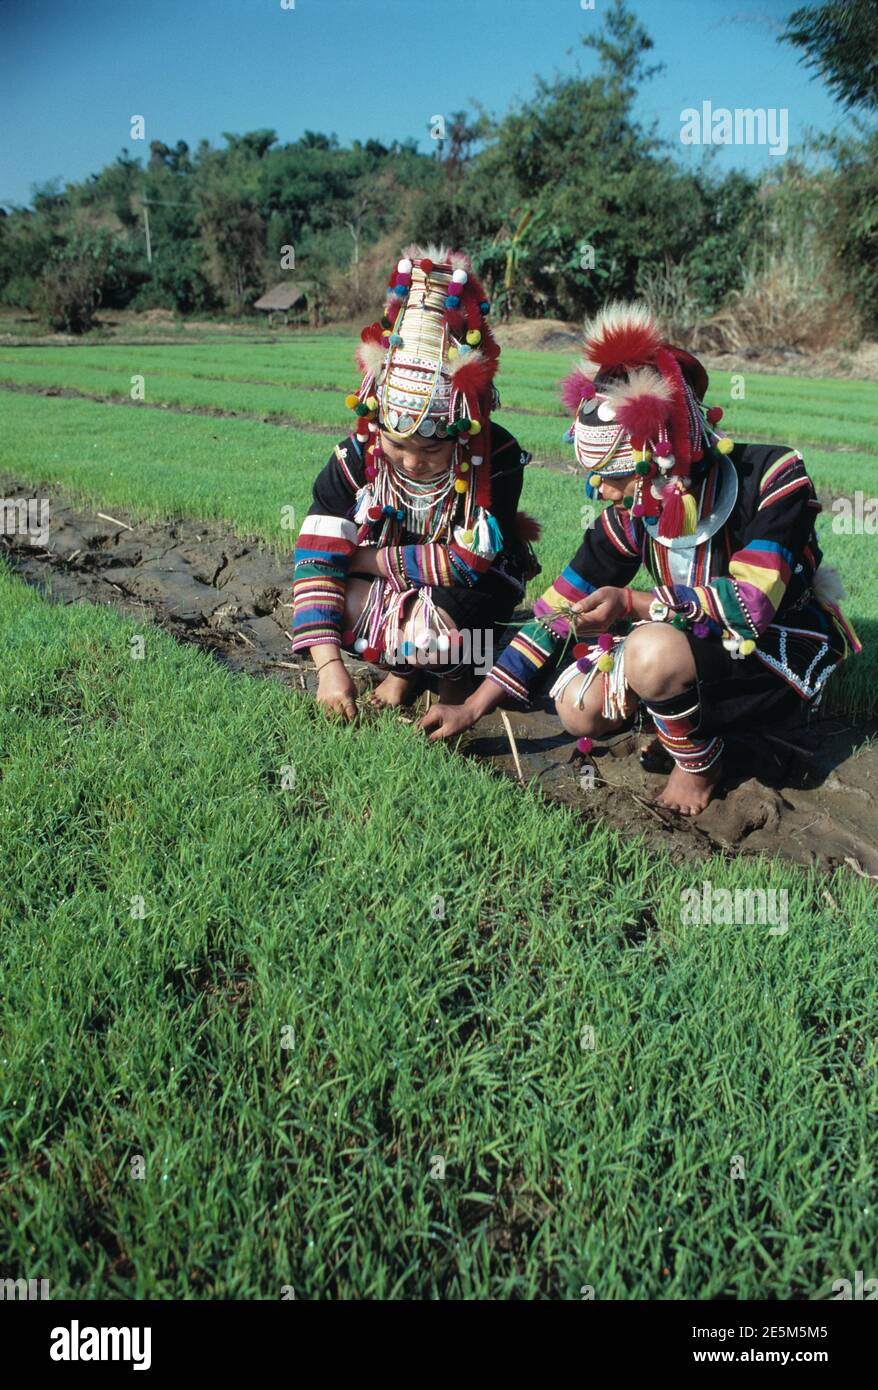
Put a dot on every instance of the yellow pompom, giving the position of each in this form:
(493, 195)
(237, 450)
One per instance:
(474, 337)
(464, 467)
(467, 537)
(638, 456)
(451, 353)
(460, 485)
(475, 427)
(352, 401)
(725, 446)
(595, 480)
(605, 662)
(372, 402)
(747, 647)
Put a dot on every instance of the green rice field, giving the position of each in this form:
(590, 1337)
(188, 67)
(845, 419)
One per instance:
(293, 1004)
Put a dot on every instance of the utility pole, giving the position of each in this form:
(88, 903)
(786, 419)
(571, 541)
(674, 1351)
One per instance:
(146, 229)
(156, 203)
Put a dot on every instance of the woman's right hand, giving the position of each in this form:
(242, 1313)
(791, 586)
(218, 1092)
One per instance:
(336, 692)
(446, 721)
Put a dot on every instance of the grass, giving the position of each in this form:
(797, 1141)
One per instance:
(432, 943)
(435, 973)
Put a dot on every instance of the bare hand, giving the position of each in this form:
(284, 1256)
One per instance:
(336, 692)
(444, 721)
(599, 611)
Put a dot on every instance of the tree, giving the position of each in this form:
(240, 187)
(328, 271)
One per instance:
(839, 40)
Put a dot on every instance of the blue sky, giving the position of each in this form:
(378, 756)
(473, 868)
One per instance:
(74, 72)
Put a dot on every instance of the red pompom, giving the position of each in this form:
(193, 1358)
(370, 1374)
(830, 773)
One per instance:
(580, 650)
(714, 415)
(347, 637)
(373, 513)
(426, 264)
(643, 415)
(370, 654)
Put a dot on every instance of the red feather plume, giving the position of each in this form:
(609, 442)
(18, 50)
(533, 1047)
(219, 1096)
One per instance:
(576, 388)
(622, 336)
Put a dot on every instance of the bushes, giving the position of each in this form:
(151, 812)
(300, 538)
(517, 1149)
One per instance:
(81, 273)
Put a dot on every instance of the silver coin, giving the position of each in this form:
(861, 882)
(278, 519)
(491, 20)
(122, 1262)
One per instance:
(394, 419)
(606, 411)
(588, 407)
(406, 423)
(427, 427)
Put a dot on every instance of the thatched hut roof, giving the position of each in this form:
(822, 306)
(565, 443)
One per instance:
(284, 296)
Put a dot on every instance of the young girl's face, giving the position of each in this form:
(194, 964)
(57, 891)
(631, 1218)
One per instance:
(418, 457)
(614, 492)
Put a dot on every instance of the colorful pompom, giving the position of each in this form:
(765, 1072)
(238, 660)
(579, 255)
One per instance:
(404, 266)
(426, 264)
(605, 662)
(747, 647)
(460, 485)
(474, 337)
(725, 445)
(584, 744)
(714, 415)
(352, 401)
(605, 642)
(484, 306)
(452, 301)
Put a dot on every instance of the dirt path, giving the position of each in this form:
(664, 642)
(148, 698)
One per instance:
(806, 793)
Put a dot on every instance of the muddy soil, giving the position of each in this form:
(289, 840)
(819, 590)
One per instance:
(808, 792)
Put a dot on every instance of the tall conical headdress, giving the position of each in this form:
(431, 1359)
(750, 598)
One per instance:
(638, 406)
(428, 368)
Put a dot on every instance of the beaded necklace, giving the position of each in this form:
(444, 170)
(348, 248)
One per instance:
(428, 506)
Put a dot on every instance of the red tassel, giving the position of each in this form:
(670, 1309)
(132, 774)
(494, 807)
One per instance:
(672, 515)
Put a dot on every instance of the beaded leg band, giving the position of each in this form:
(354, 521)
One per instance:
(675, 722)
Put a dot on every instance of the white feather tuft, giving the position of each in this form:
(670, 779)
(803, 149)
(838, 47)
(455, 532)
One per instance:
(463, 359)
(828, 586)
(370, 358)
(643, 382)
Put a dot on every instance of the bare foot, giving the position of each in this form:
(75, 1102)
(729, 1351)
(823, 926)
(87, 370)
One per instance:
(394, 692)
(455, 692)
(690, 792)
